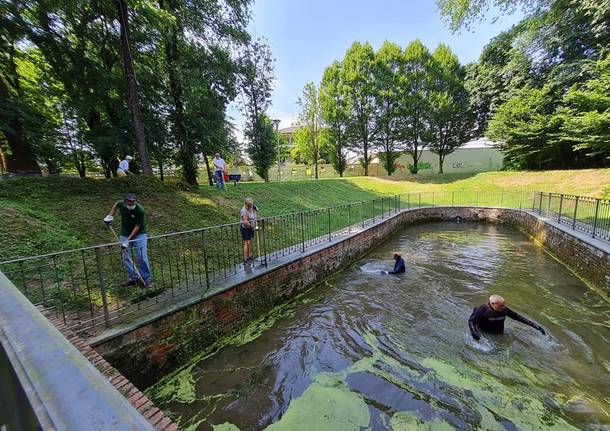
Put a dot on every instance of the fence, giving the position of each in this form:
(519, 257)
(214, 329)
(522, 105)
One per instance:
(85, 287)
(586, 214)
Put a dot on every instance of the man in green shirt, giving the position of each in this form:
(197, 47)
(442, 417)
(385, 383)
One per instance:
(133, 235)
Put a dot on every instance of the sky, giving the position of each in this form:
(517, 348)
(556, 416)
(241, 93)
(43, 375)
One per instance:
(308, 35)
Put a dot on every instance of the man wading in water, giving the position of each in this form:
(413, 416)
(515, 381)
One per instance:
(490, 318)
(399, 265)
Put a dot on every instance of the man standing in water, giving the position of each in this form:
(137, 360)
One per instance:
(490, 318)
(399, 265)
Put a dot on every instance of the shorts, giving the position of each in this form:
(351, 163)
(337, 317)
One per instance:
(121, 174)
(246, 233)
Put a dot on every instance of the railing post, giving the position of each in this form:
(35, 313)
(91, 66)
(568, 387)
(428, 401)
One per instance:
(329, 231)
(452, 198)
(533, 201)
(349, 218)
(264, 242)
(501, 198)
(560, 208)
(100, 274)
(362, 213)
(373, 205)
(521, 200)
(408, 200)
(381, 208)
(206, 263)
(596, 216)
(432, 198)
(302, 232)
(548, 207)
(575, 209)
(540, 204)
(419, 199)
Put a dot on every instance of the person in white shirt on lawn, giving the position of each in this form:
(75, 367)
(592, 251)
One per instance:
(219, 171)
(123, 169)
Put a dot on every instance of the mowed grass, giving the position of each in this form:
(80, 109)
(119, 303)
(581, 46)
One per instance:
(42, 215)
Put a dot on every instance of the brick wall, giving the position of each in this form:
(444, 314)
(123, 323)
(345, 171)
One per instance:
(158, 347)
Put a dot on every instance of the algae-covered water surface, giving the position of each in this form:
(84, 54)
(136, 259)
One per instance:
(384, 352)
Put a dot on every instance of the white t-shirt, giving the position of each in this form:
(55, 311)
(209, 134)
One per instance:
(219, 165)
(123, 166)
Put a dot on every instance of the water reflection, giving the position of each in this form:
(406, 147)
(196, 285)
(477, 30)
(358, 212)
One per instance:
(375, 351)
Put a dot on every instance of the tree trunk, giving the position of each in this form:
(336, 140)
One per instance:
(187, 152)
(20, 158)
(132, 88)
(161, 171)
(441, 159)
(208, 170)
(365, 147)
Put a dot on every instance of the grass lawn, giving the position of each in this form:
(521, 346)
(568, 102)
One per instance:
(41, 215)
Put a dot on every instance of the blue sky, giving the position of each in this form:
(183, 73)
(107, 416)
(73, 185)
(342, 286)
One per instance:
(307, 35)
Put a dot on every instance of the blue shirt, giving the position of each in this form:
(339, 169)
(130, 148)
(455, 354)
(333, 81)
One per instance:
(399, 267)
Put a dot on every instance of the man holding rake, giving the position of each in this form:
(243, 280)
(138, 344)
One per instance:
(133, 235)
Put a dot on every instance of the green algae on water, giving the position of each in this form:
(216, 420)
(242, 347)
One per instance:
(225, 427)
(407, 421)
(327, 404)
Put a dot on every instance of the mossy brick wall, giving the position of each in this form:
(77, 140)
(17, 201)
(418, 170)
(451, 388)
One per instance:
(164, 344)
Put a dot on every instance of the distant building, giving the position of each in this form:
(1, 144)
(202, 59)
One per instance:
(288, 133)
(479, 155)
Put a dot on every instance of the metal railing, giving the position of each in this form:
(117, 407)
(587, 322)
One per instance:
(582, 213)
(84, 287)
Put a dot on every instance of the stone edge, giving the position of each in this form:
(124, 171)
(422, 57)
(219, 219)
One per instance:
(154, 415)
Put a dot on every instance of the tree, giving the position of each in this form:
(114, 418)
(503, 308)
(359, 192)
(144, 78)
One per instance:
(262, 145)
(357, 70)
(415, 129)
(387, 75)
(307, 138)
(132, 88)
(450, 118)
(334, 103)
(585, 116)
(17, 152)
(256, 80)
(522, 126)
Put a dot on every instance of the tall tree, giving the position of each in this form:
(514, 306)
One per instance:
(17, 151)
(262, 146)
(308, 136)
(256, 80)
(450, 118)
(358, 67)
(417, 80)
(132, 88)
(335, 108)
(387, 75)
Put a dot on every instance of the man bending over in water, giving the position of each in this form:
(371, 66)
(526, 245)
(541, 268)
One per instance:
(490, 318)
(399, 265)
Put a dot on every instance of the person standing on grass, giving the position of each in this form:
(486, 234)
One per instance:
(219, 171)
(123, 169)
(247, 226)
(133, 236)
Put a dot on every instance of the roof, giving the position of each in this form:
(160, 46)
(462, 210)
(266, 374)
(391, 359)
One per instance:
(288, 130)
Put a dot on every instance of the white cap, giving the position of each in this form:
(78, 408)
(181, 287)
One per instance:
(128, 158)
